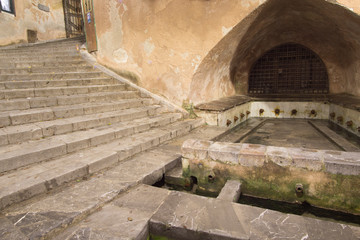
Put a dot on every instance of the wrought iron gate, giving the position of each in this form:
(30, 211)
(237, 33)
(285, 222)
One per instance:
(289, 69)
(74, 24)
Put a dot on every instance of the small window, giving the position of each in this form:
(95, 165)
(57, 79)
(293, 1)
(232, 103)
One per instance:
(7, 6)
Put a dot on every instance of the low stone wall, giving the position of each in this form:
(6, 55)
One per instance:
(322, 178)
(347, 118)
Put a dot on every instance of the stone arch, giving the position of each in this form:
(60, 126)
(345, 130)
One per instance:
(327, 28)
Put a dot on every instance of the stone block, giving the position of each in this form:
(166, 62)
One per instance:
(111, 222)
(123, 131)
(76, 141)
(71, 100)
(43, 102)
(31, 116)
(100, 137)
(186, 216)
(252, 155)
(125, 152)
(18, 93)
(18, 134)
(153, 177)
(16, 104)
(279, 156)
(33, 188)
(19, 85)
(345, 163)
(4, 120)
(143, 198)
(141, 127)
(48, 92)
(166, 136)
(3, 138)
(149, 142)
(310, 159)
(85, 123)
(225, 152)
(33, 152)
(74, 90)
(195, 149)
(342, 167)
(231, 191)
(57, 176)
(183, 129)
(68, 112)
(98, 159)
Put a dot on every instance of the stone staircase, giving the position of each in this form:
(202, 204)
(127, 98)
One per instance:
(62, 120)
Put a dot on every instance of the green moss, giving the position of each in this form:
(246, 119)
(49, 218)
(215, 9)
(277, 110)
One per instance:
(189, 107)
(278, 183)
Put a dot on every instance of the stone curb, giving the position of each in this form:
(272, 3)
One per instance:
(252, 155)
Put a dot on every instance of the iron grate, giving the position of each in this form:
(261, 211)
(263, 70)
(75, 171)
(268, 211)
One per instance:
(289, 69)
(74, 25)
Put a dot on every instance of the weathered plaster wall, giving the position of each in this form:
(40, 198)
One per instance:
(164, 41)
(201, 50)
(49, 25)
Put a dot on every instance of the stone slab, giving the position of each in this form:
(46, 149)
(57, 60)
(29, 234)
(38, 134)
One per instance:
(186, 216)
(231, 191)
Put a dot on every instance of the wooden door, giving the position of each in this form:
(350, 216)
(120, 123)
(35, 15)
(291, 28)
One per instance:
(89, 23)
(73, 18)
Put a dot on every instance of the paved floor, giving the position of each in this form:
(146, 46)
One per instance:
(289, 133)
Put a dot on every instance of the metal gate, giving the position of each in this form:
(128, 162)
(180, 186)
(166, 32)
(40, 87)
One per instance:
(74, 24)
(289, 69)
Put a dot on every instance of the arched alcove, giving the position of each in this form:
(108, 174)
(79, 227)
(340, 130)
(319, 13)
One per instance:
(330, 30)
(288, 69)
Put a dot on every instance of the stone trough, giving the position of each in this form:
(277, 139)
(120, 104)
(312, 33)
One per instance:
(323, 178)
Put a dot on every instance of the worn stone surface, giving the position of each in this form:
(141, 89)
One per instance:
(224, 152)
(185, 216)
(268, 224)
(84, 197)
(231, 191)
(273, 172)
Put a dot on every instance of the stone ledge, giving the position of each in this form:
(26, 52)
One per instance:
(327, 178)
(253, 155)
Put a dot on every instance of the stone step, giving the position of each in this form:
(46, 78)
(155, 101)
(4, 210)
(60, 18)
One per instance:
(38, 46)
(39, 102)
(44, 52)
(60, 63)
(17, 118)
(56, 83)
(41, 59)
(51, 76)
(43, 49)
(33, 70)
(59, 91)
(32, 131)
(19, 155)
(12, 56)
(28, 182)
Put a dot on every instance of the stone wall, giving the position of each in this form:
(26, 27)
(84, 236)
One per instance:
(202, 50)
(326, 177)
(49, 25)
